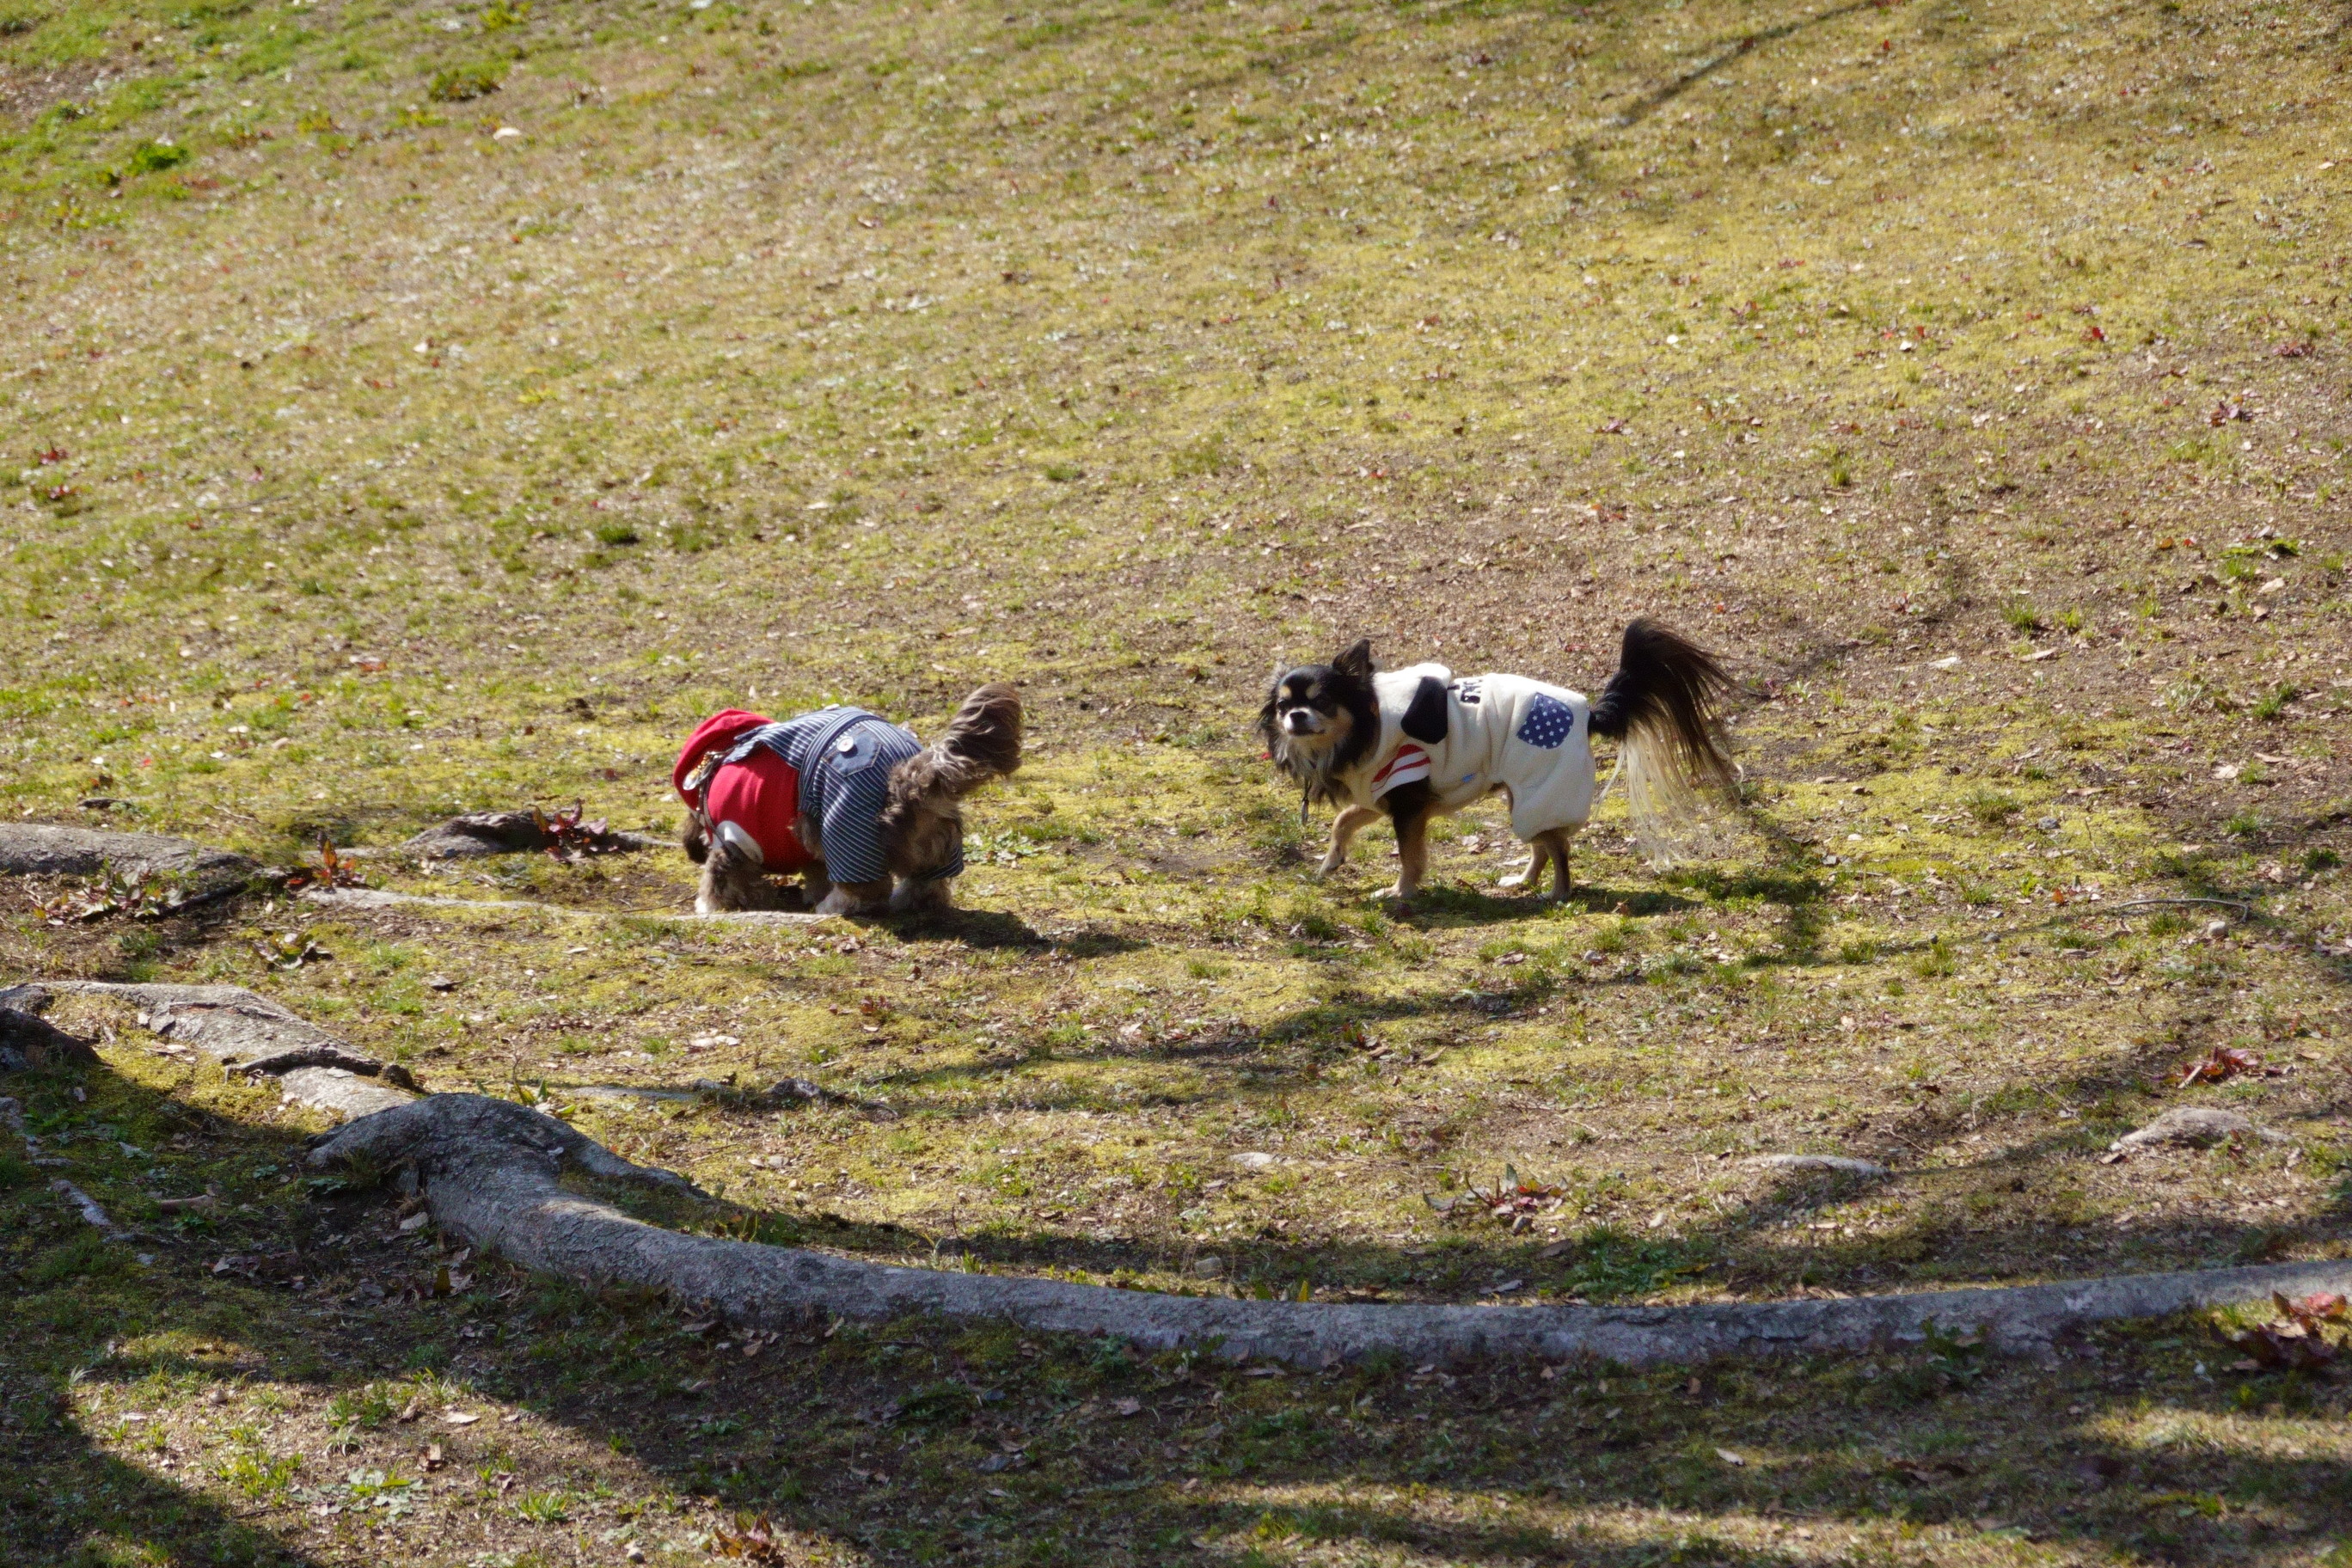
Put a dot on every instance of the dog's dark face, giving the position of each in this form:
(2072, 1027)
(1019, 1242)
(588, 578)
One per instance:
(1319, 718)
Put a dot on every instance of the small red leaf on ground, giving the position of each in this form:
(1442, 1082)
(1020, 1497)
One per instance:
(2219, 1065)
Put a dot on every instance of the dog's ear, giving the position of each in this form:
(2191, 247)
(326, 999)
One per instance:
(1357, 662)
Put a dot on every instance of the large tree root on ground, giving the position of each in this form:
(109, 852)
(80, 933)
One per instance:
(249, 1034)
(384, 898)
(38, 849)
(510, 833)
(30, 1043)
(492, 1170)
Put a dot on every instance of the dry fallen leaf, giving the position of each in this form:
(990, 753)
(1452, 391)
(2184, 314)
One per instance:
(1928, 1470)
(2218, 1066)
(459, 1417)
(2299, 1343)
(751, 1540)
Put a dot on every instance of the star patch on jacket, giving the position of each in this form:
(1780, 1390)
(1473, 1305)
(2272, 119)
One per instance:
(1546, 724)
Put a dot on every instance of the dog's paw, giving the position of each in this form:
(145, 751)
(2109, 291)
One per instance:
(857, 899)
(1516, 879)
(1328, 865)
(921, 899)
(1397, 892)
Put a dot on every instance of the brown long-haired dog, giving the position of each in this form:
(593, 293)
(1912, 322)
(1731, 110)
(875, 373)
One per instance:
(869, 818)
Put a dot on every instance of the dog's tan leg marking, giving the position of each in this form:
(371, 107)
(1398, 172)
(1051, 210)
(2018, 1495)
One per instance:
(1540, 850)
(1555, 844)
(1413, 858)
(1344, 828)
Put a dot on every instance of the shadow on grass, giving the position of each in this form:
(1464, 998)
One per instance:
(76, 1296)
(919, 1441)
(69, 1504)
(1453, 905)
(995, 928)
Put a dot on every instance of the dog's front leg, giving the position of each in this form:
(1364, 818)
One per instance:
(1413, 855)
(1344, 828)
(858, 899)
(730, 881)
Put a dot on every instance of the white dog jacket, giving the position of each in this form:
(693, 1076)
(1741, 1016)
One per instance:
(1482, 733)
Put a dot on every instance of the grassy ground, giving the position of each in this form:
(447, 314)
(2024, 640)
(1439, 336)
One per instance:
(424, 410)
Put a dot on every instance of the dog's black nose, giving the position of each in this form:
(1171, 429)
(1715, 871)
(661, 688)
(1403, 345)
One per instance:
(1299, 721)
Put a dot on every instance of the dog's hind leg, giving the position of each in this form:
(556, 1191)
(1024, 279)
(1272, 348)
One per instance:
(1539, 854)
(1344, 828)
(1553, 843)
(922, 896)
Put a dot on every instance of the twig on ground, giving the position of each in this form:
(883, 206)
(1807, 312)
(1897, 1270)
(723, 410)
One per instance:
(89, 1206)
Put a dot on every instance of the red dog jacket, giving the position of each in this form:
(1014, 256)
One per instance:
(761, 794)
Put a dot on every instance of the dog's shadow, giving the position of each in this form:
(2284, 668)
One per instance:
(996, 928)
(1457, 904)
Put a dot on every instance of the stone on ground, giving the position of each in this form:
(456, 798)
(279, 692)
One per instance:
(39, 849)
(2197, 1125)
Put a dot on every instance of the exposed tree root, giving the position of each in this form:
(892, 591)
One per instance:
(346, 1093)
(508, 833)
(39, 849)
(249, 1034)
(30, 1043)
(491, 1171)
(384, 898)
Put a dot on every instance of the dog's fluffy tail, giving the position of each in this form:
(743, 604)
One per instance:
(981, 742)
(1661, 707)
